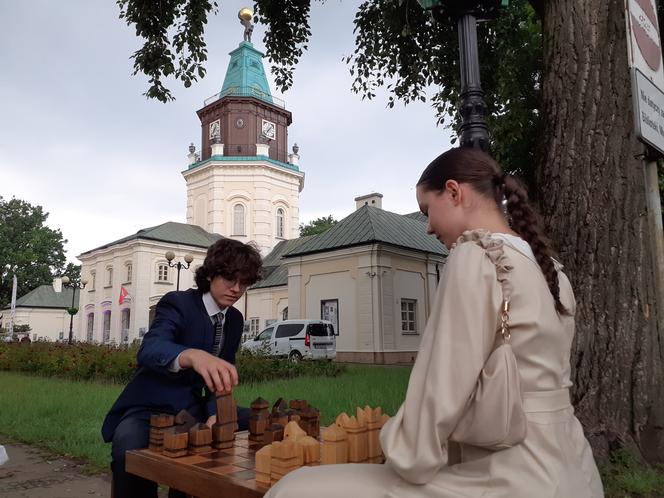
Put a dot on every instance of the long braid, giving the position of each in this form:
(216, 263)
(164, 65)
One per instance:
(527, 224)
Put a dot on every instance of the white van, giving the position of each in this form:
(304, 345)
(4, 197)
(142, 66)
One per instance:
(297, 340)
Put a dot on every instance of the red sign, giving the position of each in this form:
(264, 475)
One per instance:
(646, 32)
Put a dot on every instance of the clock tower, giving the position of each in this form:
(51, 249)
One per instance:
(244, 184)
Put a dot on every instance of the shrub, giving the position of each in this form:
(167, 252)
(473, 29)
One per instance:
(83, 361)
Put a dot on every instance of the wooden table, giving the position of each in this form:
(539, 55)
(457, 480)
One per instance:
(219, 474)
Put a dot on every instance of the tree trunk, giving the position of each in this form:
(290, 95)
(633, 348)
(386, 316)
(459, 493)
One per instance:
(593, 200)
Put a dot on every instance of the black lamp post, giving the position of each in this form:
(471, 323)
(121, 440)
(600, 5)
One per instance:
(67, 282)
(474, 131)
(188, 258)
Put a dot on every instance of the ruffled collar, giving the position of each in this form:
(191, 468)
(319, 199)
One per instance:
(494, 249)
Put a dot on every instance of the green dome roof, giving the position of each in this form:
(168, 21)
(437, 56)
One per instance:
(245, 75)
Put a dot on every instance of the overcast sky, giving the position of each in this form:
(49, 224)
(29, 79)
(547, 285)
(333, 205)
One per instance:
(78, 137)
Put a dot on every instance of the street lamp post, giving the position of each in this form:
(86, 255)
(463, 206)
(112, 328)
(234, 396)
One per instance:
(188, 258)
(67, 282)
(474, 131)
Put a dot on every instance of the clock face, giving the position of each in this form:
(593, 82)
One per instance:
(269, 130)
(239, 123)
(215, 129)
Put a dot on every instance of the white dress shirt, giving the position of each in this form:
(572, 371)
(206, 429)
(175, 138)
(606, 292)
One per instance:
(212, 309)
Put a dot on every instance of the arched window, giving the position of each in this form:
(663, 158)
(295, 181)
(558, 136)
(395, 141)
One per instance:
(107, 327)
(124, 318)
(238, 220)
(90, 327)
(280, 223)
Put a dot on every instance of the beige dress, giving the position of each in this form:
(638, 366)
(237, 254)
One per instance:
(554, 460)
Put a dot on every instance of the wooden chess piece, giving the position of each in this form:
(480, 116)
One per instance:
(223, 432)
(372, 418)
(158, 423)
(258, 420)
(273, 432)
(200, 439)
(335, 446)
(175, 443)
(286, 457)
(263, 465)
(357, 438)
(293, 431)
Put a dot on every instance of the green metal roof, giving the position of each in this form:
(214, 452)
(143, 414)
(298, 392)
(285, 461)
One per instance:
(288, 166)
(419, 216)
(368, 225)
(45, 296)
(274, 271)
(245, 74)
(276, 276)
(171, 231)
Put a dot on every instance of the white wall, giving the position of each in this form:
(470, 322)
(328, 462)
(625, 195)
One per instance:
(144, 288)
(261, 187)
(46, 324)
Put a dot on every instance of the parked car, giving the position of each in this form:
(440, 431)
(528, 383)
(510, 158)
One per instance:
(296, 340)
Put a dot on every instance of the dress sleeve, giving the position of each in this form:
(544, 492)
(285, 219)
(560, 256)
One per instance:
(458, 338)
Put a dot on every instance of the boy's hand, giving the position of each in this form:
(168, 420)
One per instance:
(219, 375)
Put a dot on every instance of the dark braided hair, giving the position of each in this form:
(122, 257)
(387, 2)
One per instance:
(482, 173)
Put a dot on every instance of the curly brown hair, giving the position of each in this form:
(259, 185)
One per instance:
(232, 260)
(482, 173)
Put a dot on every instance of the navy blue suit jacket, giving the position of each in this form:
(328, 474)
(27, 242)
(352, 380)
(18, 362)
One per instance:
(181, 322)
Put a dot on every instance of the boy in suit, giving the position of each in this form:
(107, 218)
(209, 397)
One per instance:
(186, 357)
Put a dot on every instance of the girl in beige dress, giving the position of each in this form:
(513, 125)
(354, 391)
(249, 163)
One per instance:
(461, 192)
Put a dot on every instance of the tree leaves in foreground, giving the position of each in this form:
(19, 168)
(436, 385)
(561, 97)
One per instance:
(28, 245)
(397, 46)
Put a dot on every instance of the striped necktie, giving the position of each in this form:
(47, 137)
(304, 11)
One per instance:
(218, 333)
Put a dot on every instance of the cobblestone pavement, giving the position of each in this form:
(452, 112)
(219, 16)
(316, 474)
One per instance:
(33, 473)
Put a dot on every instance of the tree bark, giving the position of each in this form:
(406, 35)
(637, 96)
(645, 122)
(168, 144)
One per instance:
(593, 201)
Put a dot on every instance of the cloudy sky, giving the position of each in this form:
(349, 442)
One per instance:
(78, 137)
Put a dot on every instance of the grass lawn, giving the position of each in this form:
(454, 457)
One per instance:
(65, 416)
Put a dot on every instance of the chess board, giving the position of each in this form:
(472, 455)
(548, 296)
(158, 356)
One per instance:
(228, 472)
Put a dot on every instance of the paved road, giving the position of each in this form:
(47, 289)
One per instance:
(33, 473)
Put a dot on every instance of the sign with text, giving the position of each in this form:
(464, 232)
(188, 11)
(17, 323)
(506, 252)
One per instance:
(645, 61)
(648, 110)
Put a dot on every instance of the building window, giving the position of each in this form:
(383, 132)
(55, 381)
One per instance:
(284, 313)
(238, 220)
(280, 223)
(129, 271)
(125, 316)
(93, 277)
(408, 316)
(253, 326)
(107, 327)
(109, 277)
(90, 327)
(162, 273)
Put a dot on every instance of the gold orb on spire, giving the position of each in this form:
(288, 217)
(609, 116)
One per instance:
(245, 14)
